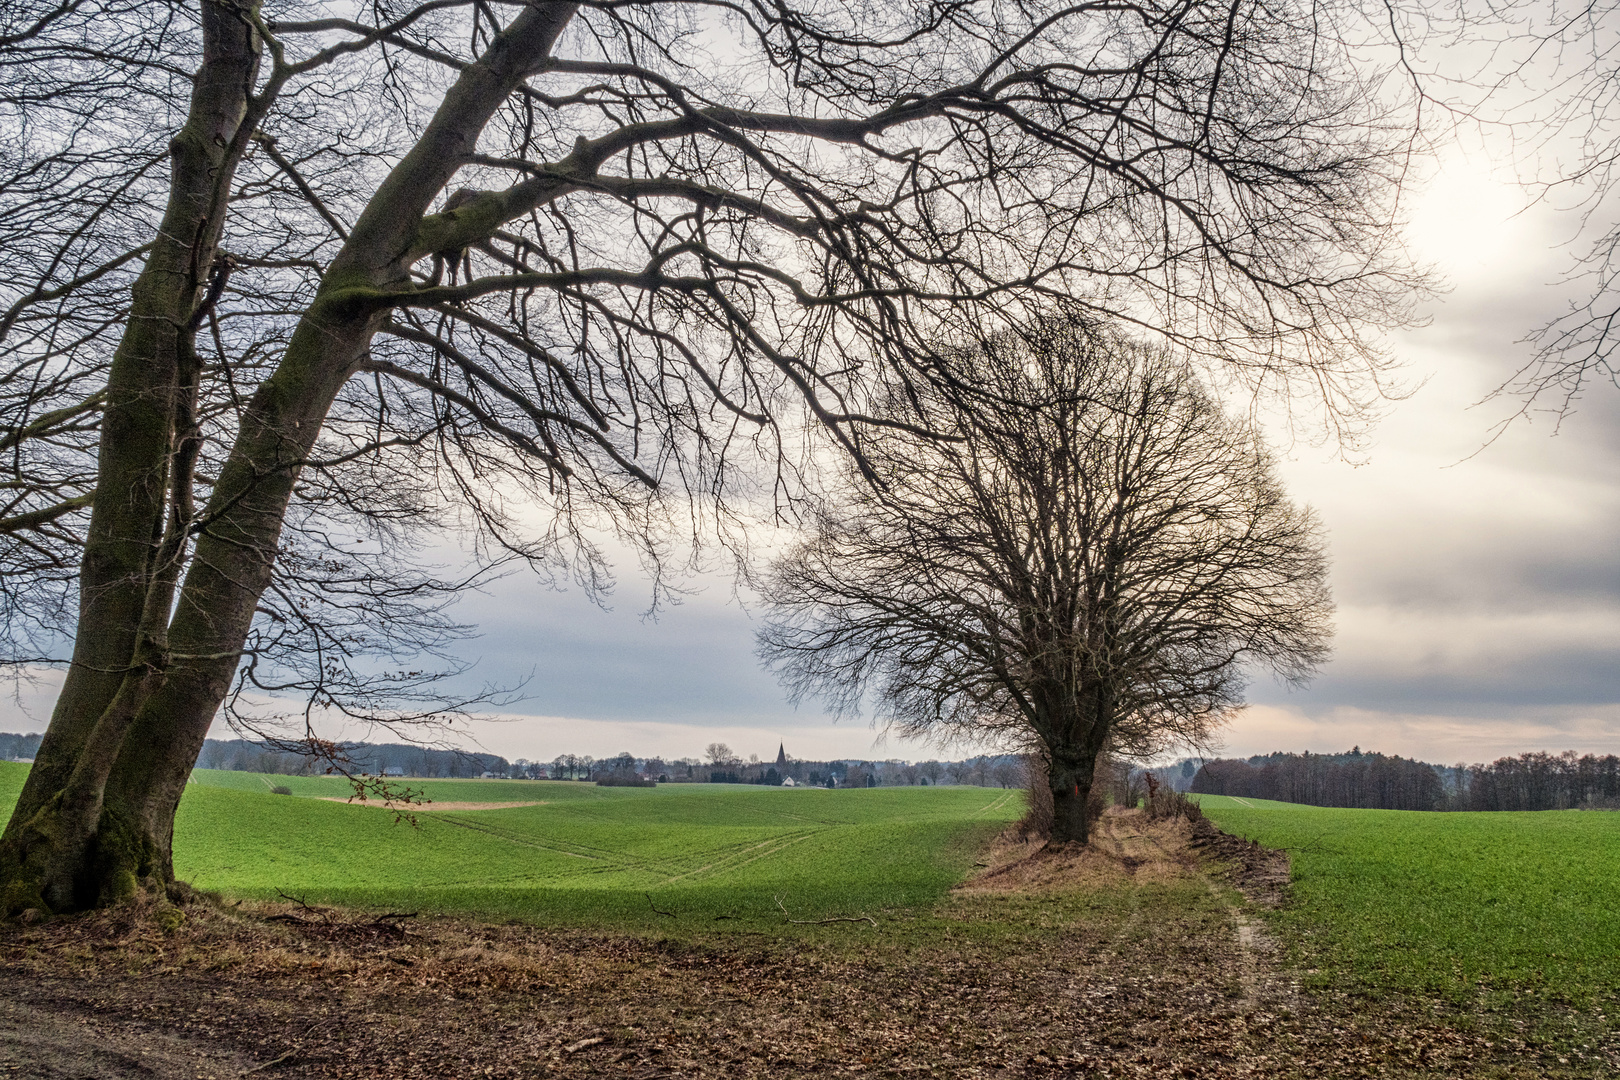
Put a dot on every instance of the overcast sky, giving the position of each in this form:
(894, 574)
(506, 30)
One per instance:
(1478, 587)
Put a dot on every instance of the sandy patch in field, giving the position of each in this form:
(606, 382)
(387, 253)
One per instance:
(415, 808)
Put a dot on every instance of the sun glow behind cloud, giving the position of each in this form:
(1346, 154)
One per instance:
(1470, 222)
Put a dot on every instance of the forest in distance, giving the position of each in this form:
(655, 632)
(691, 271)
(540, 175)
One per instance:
(1371, 781)
(411, 761)
(1355, 779)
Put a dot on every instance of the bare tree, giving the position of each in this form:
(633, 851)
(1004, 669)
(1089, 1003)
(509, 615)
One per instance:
(426, 271)
(1089, 563)
(1555, 95)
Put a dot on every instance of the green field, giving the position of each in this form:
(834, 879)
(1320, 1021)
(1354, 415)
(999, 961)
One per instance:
(587, 855)
(1505, 904)
(1456, 904)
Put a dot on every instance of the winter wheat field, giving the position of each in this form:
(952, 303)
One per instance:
(527, 929)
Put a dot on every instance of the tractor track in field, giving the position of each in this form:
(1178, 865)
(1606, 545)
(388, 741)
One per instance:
(614, 861)
(721, 865)
(997, 804)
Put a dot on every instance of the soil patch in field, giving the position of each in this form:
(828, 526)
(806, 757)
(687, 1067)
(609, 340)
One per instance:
(1126, 960)
(1261, 873)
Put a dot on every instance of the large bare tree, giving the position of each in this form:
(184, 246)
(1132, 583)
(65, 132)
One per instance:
(358, 278)
(1093, 559)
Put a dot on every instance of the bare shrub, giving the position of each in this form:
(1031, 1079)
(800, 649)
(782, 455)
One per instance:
(1165, 802)
(1037, 820)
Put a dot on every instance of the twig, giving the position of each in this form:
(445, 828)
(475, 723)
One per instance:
(576, 1047)
(277, 1061)
(823, 922)
(657, 909)
(1319, 838)
(300, 902)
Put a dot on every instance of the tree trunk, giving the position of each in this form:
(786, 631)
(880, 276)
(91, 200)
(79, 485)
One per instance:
(1071, 787)
(132, 555)
(126, 845)
(1075, 735)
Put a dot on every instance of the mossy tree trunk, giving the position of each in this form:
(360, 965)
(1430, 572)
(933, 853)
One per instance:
(151, 669)
(135, 545)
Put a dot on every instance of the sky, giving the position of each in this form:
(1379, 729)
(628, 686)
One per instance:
(1477, 580)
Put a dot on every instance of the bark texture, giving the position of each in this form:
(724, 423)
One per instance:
(135, 541)
(96, 823)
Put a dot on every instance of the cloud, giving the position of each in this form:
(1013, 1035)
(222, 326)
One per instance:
(1479, 586)
(693, 662)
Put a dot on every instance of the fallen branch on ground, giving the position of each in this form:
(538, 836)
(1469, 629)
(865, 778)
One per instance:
(300, 902)
(821, 922)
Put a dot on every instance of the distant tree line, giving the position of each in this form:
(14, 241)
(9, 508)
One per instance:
(1364, 781)
(1540, 781)
(1372, 781)
(398, 759)
(14, 747)
(722, 766)
(401, 759)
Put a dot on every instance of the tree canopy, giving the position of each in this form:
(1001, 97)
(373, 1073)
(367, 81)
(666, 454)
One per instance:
(1093, 560)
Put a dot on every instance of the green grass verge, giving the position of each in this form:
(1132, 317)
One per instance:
(717, 856)
(1459, 904)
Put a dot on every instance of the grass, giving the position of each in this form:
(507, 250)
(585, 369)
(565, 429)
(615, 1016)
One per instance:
(712, 855)
(1232, 802)
(1505, 905)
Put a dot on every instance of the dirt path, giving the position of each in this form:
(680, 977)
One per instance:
(47, 1038)
(1132, 958)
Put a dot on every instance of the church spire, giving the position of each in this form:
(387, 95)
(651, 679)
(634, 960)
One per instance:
(781, 754)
